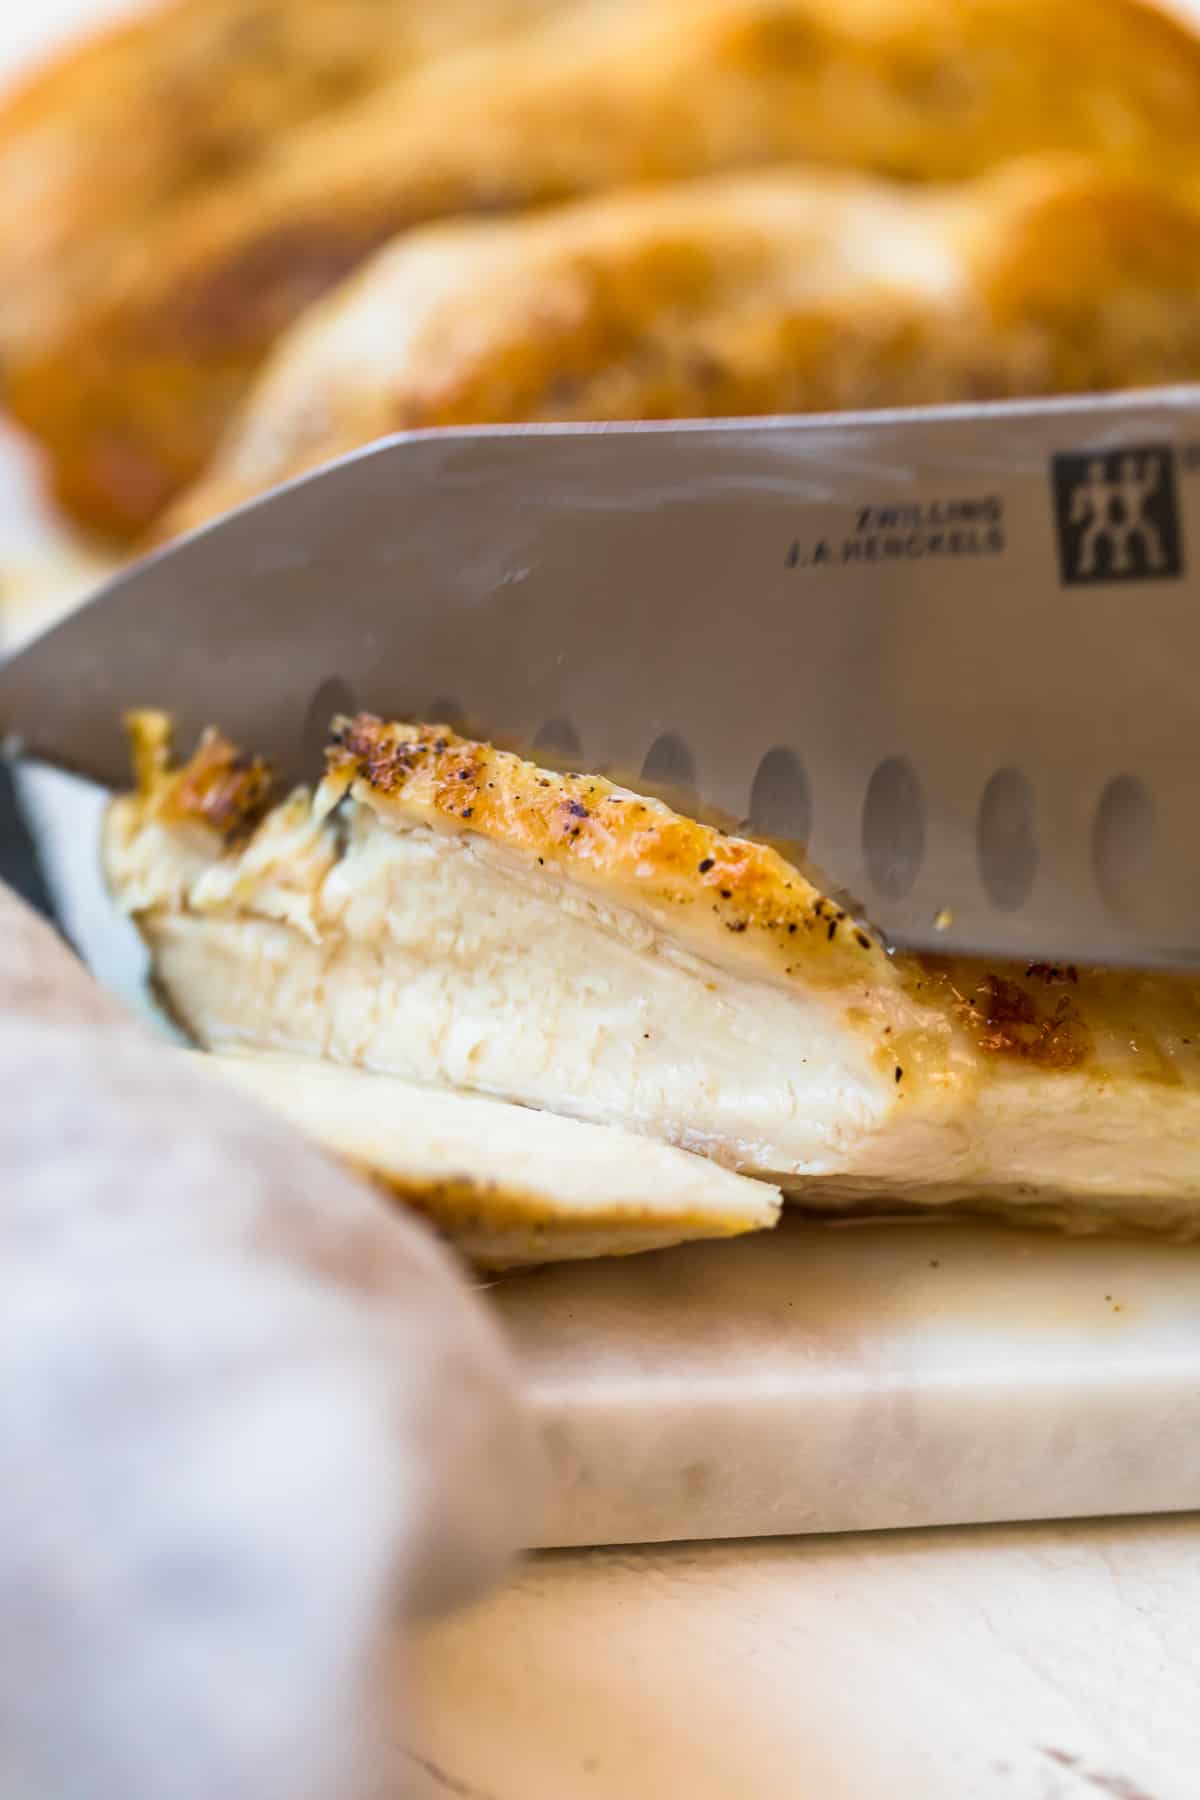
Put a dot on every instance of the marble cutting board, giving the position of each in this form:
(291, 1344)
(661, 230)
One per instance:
(849, 1378)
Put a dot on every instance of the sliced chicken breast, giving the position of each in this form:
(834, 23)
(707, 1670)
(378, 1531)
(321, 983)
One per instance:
(506, 1185)
(451, 914)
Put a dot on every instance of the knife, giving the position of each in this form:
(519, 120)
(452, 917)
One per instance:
(954, 652)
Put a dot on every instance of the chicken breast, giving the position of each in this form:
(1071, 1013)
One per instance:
(132, 393)
(788, 291)
(504, 1184)
(448, 913)
(101, 145)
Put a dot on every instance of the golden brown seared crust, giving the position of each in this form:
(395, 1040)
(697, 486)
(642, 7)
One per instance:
(736, 295)
(740, 900)
(580, 824)
(601, 834)
(100, 145)
(219, 786)
(469, 1204)
(498, 1227)
(132, 394)
(1042, 1015)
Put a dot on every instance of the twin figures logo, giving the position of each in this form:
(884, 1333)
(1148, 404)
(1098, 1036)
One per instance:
(1117, 515)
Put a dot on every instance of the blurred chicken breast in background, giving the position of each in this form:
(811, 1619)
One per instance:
(787, 291)
(174, 102)
(132, 385)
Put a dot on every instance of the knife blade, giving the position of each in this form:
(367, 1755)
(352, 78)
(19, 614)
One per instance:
(952, 651)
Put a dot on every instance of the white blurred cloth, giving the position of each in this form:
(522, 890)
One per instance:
(249, 1415)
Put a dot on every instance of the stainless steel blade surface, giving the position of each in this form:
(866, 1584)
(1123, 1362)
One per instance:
(955, 651)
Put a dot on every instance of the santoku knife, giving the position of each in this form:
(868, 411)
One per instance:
(953, 651)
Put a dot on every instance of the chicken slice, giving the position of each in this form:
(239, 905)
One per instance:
(506, 1185)
(448, 913)
(133, 391)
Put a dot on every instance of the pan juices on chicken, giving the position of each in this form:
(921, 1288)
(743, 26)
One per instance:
(445, 913)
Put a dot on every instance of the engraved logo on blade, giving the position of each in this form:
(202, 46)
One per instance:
(1117, 515)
